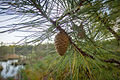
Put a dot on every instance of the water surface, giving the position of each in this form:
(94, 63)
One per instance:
(10, 70)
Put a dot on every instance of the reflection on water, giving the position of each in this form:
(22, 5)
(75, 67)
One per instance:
(10, 70)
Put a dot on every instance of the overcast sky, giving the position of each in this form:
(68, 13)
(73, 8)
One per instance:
(13, 37)
(10, 37)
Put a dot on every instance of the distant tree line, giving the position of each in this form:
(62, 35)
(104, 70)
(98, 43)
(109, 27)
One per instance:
(25, 49)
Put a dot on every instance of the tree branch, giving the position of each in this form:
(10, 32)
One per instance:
(112, 61)
(109, 29)
(73, 44)
(58, 27)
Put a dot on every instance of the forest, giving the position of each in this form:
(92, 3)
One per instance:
(83, 38)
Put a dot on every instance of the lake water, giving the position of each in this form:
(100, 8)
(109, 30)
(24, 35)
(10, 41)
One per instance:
(10, 70)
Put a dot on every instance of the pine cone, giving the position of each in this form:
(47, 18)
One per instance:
(61, 43)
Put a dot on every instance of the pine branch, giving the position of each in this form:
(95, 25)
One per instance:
(58, 27)
(109, 29)
(72, 11)
(82, 52)
(14, 29)
(112, 61)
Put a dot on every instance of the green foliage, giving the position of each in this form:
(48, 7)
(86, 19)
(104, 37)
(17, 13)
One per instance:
(73, 66)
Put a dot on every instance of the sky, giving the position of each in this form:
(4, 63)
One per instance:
(10, 37)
